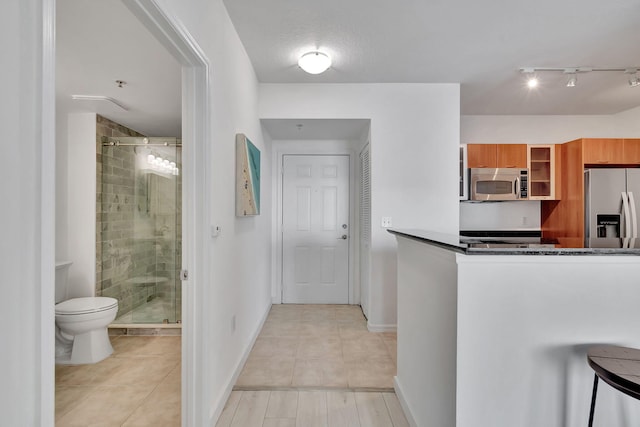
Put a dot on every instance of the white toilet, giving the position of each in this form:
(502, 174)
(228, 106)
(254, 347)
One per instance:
(81, 324)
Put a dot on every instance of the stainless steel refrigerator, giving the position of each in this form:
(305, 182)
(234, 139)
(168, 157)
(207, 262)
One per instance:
(611, 205)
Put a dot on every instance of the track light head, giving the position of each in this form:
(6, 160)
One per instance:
(634, 80)
(572, 76)
(532, 80)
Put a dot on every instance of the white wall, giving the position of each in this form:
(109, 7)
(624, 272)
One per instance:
(239, 268)
(79, 191)
(414, 160)
(525, 324)
(427, 333)
(26, 247)
(547, 129)
(519, 215)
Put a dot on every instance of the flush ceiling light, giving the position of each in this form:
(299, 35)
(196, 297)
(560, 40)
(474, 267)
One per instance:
(572, 74)
(314, 62)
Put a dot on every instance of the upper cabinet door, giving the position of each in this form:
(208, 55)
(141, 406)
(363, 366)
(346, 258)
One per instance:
(482, 156)
(512, 155)
(604, 151)
(632, 151)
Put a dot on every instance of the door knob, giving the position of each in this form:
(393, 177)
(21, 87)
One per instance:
(343, 237)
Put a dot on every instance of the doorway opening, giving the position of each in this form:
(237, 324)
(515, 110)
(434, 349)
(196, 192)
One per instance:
(195, 205)
(315, 229)
(306, 139)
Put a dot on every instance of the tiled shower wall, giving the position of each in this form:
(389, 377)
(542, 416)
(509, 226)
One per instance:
(134, 239)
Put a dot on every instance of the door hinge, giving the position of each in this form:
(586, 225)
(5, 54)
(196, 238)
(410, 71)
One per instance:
(184, 275)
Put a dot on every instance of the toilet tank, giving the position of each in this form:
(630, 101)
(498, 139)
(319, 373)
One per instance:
(62, 276)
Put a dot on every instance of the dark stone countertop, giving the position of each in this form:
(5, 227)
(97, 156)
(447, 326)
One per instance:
(521, 246)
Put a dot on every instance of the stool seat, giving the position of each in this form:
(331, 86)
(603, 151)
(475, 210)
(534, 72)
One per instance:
(617, 366)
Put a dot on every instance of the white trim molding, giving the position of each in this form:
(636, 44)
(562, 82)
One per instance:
(403, 403)
(195, 202)
(381, 328)
(218, 407)
(47, 213)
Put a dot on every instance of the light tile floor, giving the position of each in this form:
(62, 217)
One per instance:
(324, 354)
(319, 346)
(139, 385)
(312, 408)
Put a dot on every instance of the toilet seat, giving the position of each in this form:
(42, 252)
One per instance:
(86, 305)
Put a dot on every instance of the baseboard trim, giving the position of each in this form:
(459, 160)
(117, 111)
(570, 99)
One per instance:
(216, 411)
(381, 328)
(403, 403)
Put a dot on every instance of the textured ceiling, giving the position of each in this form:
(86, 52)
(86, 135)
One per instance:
(99, 42)
(480, 44)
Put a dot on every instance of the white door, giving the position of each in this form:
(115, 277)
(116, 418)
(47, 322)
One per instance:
(315, 229)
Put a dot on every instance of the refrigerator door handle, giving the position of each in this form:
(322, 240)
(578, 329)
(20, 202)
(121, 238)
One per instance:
(634, 216)
(627, 215)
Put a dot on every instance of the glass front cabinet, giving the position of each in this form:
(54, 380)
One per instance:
(541, 161)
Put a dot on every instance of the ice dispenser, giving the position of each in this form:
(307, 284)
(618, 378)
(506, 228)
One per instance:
(608, 225)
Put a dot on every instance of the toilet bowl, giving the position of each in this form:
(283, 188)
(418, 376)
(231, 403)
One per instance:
(81, 325)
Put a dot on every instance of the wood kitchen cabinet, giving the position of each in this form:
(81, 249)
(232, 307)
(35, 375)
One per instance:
(542, 172)
(603, 151)
(564, 217)
(631, 151)
(482, 155)
(512, 155)
(497, 155)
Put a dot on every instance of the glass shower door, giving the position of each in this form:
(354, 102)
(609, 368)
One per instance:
(158, 228)
(140, 228)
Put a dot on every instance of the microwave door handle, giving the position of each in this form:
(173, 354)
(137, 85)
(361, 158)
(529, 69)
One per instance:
(517, 188)
(627, 216)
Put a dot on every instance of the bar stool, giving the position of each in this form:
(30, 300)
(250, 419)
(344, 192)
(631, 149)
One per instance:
(617, 366)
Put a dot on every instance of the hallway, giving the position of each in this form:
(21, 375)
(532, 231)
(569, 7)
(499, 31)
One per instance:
(316, 365)
(325, 346)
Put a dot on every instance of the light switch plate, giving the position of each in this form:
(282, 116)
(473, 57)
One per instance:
(386, 222)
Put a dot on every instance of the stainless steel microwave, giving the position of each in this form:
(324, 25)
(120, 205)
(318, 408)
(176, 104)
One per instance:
(498, 184)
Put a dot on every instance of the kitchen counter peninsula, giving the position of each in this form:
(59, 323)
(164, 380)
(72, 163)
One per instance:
(522, 246)
(498, 336)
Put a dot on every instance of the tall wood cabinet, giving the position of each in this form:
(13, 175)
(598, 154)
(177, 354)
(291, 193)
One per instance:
(564, 218)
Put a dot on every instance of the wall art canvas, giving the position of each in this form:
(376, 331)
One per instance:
(247, 177)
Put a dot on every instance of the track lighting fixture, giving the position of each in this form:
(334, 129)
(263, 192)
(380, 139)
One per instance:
(572, 74)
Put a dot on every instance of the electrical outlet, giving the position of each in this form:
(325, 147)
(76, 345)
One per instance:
(233, 323)
(386, 222)
(524, 220)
